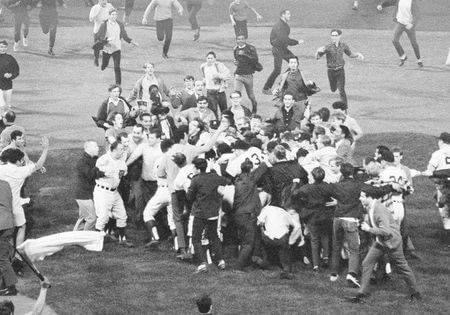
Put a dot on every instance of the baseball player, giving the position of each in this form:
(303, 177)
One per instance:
(440, 160)
(242, 152)
(107, 200)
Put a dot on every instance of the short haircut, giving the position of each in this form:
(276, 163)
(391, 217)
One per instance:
(223, 148)
(201, 124)
(145, 115)
(88, 143)
(381, 149)
(372, 192)
(288, 93)
(202, 98)
(6, 307)
(189, 78)
(211, 154)
(166, 144)
(314, 114)
(12, 155)
(139, 126)
(114, 86)
(293, 57)
(112, 10)
(339, 105)
(283, 12)
(319, 130)
(236, 92)
(241, 145)
(280, 152)
(200, 164)
(336, 30)
(318, 174)
(15, 134)
(302, 152)
(121, 135)
(397, 150)
(256, 116)
(347, 170)
(148, 63)
(211, 53)
(257, 143)
(271, 145)
(4, 42)
(246, 166)
(269, 131)
(204, 304)
(10, 116)
(339, 116)
(324, 113)
(114, 145)
(179, 159)
(387, 156)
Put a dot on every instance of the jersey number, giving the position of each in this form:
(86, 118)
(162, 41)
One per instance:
(255, 159)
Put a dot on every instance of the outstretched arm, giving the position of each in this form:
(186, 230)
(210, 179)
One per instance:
(43, 157)
(40, 302)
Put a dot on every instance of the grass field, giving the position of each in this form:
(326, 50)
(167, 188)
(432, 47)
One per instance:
(398, 107)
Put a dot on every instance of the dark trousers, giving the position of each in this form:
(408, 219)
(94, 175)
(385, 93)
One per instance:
(129, 4)
(192, 10)
(49, 23)
(8, 277)
(279, 248)
(278, 56)
(398, 31)
(246, 229)
(240, 28)
(211, 233)
(216, 100)
(396, 258)
(180, 226)
(320, 238)
(96, 51)
(337, 82)
(141, 191)
(116, 58)
(164, 31)
(19, 19)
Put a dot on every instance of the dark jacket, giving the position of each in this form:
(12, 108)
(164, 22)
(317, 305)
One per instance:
(172, 125)
(6, 215)
(281, 175)
(203, 194)
(87, 173)
(246, 196)
(18, 6)
(102, 114)
(310, 202)
(100, 36)
(279, 36)
(8, 64)
(414, 9)
(246, 58)
(283, 124)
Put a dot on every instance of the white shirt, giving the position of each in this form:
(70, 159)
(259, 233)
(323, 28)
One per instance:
(15, 176)
(210, 72)
(113, 169)
(146, 84)
(394, 174)
(113, 36)
(440, 160)
(184, 177)
(99, 14)
(277, 223)
(404, 14)
(162, 181)
(253, 154)
(323, 156)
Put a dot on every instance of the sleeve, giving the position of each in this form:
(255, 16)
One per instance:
(231, 9)
(101, 114)
(433, 163)
(224, 71)
(134, 92)
(192, 190)
(261, 220)
(89, 173)
(259, 172)
(381, 227)
(94, 12)
(177, 5)
(347, 50)
(14, 68)
(25, 171)
(124, 33)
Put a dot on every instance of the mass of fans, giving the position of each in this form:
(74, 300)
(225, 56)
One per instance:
(200, 173)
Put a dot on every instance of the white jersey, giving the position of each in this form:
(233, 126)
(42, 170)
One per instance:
(394, 174)
(253, 154)
(440, 160)
(162, 181)
(114, 170)
(184, 177)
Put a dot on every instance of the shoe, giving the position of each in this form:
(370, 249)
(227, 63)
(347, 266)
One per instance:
(333, 277)
(124, 242)
(267, 92)
(9, 291)
(416, 296)
(185, 255)
(165, 56)
(221, 265)
(306, 261)
(359, 298)
(50, 52)
(352, 281)
(25, 42)
(96, 62)
(196, 35)
(402, 61)
(286, 275)
(379, 8)
(16, 46)
(203, 268)
(152, 244)
(420, 63)
(355, 5)
(316, 269)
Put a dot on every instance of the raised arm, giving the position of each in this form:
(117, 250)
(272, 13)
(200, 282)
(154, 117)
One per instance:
(40, 163)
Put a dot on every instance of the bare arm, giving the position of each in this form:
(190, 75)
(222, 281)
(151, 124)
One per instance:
(40, 302)
(43, 157)
(149, 8)
(135, 154)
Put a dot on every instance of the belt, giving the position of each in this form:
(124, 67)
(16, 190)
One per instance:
(336, 69)
(106, 188)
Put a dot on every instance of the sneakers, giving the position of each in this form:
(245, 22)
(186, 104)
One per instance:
(267, 92)
(203, 268)
(316, 269)
(402, 61)
(11, 290)
(25, 42)
(420, 63)
(379, 8)
(165, 56)
(334, 278)
(416, 296)
(221, 265)
(50, 52)
(185, 255)
(352, 281)
(16, 46)
(325, 263)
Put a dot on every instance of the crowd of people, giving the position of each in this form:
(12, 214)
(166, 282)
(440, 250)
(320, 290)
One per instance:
(197, 169)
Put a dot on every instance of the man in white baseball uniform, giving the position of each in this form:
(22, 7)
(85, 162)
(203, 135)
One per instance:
(107, 200)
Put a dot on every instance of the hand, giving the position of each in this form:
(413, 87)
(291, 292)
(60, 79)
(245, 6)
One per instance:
(259, 17)
(7, 75)
(43, 170)
(409, 26)
(45, 143)
(301, 41)
(144, 21)
(134, 44)
(365, 227)
(45, 283)
(360, 56)
(173, 92)
(180, 12)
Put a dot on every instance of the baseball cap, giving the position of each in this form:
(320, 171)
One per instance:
(445, 136)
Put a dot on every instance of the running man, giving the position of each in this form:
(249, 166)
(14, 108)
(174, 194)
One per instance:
(239, 15)
(9, 70)
(20, 10)
(335, 62)
(164, 20)
(48, 18)
(192, 8)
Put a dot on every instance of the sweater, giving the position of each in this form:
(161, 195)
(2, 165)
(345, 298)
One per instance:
(279, 36)
(8, 64)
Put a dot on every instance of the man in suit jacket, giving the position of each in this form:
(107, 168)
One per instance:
(387, 241)
(290, 115)
(406, 16)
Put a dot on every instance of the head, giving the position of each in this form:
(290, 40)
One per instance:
(315, 118)
(179, 159)
(444, 139)
(196, 126)
(387, 158)
(154, 136)
(379, 151)
(18, 138)
(200, 164)
(288, 101)
(318, 175)
(181, 134)
(199, 87)
(13, 156)
(227, 118)
(163, 112)
(337, 118)
(293, 63)
(240, 40)
(91, 148)
(189, 82)
(124, 138)
(166, 144)
(347, 170)
(240, 146)
(117, 120)
(202, 103)
(341, 132)
(211, 57)
(242, 123)
(149, 68)
(3, 46)
(236, 98)
(246, 166)
(146, 120)
(285, 15)
(204, 304)
(340, 107)
(114, 91)
(113, 15)
(256, 123)
(335, 36)
(117, 150)
(137, 133)
(398, 156)
(324, 114)
(335, 164)
(301, 154)
(278, 154)
(324, 141)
